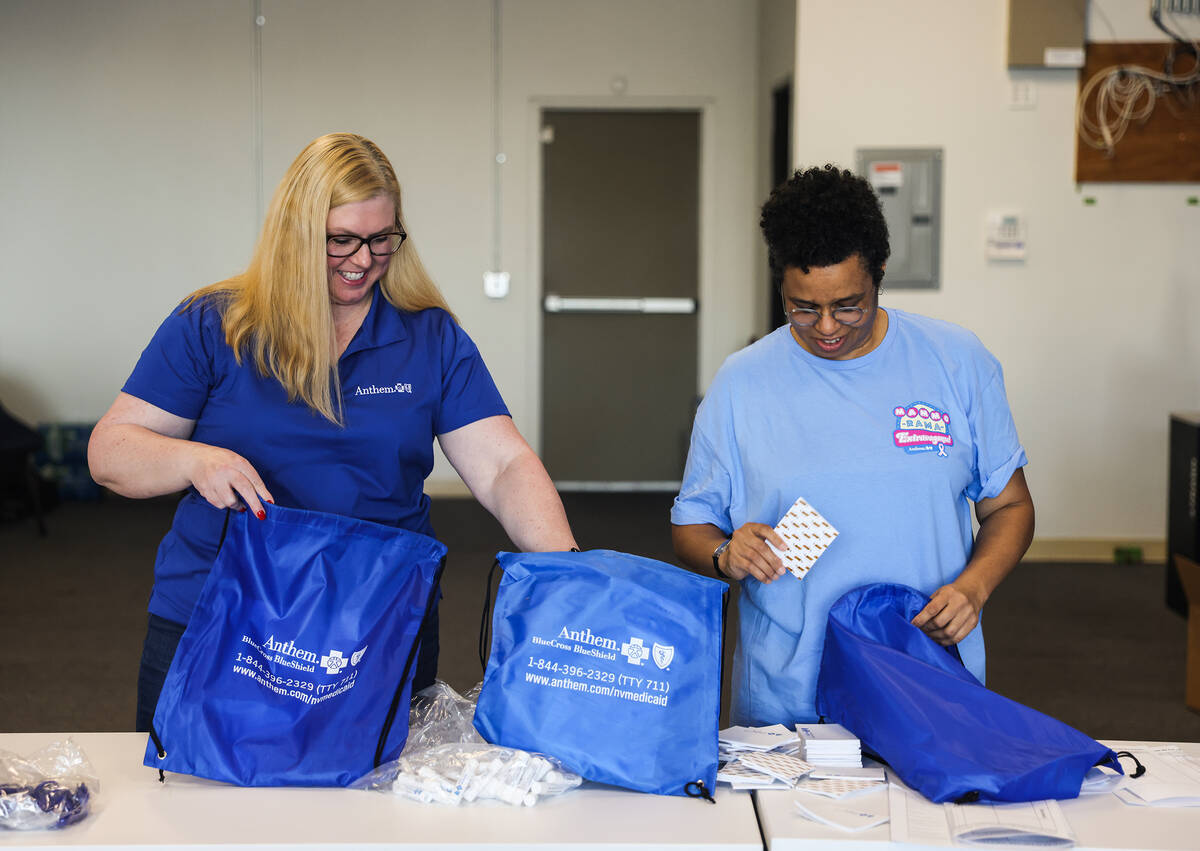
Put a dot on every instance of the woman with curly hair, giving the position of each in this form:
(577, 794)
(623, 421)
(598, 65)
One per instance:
(890, 424)
(317, 379)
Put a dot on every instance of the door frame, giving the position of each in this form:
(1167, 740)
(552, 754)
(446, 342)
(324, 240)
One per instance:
(706, 222)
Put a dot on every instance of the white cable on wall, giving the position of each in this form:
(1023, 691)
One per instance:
(1123, 93)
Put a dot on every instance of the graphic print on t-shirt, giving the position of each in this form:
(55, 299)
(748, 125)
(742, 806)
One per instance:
(921, 427)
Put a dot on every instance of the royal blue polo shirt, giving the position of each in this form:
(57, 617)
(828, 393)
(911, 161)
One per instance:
(406, 378)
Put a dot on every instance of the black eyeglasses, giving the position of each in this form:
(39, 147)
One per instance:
(381, 244)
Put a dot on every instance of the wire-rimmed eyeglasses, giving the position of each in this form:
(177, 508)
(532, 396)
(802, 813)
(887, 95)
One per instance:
(806, 317)
(381, 244)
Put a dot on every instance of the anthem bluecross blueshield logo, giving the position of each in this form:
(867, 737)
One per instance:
(634, 650)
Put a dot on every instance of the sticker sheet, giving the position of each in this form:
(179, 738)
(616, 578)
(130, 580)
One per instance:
(836, 788)
(781, 766)
(807, 533)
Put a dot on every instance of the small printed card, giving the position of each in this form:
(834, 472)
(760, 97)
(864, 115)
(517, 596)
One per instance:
(836, 787)
(741, 776)
(781, 766)
(807, 533)
(757, 738)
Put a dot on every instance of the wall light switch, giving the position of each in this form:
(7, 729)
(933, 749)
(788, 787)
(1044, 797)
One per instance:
(1022, 94)
(495, 284)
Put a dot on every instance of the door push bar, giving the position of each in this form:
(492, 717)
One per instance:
(598, 304)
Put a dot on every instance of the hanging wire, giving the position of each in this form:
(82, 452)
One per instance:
(1119, 94)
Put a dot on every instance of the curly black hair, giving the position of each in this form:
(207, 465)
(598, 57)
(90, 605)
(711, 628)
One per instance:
(821, 217)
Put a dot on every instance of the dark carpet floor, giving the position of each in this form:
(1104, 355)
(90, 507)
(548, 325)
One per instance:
(1093, 645)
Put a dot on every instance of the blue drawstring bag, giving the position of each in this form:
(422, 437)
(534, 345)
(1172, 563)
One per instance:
(296, 667)
(913, 703)
(609, 662)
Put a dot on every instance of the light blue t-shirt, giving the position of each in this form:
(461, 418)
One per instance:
(891, 448)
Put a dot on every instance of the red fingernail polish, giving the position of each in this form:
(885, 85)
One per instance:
(260, 514)
(242, 509)
(271, 501)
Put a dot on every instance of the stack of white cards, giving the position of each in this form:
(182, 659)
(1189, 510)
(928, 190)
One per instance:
(760, 757)
(829, 745)
(734, 740)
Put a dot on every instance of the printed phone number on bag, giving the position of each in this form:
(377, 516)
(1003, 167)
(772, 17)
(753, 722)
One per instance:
(650, 691)
(572, 670)
(302, 690)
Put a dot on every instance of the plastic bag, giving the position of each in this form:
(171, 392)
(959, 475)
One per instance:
(439, 715)
(446, 762)
(464, 772)
(49, 788)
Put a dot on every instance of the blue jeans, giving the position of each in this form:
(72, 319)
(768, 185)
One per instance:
(162, 639)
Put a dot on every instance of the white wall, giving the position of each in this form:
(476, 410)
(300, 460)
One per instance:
(1097, 329)
(131, 175)
(127, 179)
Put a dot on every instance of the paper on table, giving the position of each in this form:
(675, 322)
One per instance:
(741, 776)
(807, 534)
(859, 813)
(873, 772)
(1172, 779)
(836, 787)
(919, 821)
(1040, 823)
(786, 768)
(916, 819)
(757, 738)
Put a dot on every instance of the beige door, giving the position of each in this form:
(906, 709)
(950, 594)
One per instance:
(620, 218)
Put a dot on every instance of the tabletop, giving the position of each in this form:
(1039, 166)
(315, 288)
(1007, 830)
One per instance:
(134, 809)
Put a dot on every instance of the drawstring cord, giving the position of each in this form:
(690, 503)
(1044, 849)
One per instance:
(1141, 769)
(162, 753)
(697, 789)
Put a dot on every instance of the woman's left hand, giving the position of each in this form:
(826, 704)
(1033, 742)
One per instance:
(948, 616)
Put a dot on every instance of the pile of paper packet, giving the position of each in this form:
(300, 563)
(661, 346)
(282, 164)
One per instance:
(822, 759)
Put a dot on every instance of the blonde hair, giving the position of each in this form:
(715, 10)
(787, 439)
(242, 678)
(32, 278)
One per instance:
(278, 310)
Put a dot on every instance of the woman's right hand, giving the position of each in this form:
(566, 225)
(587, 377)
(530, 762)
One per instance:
(226, 479)
(749, 555)
(139, 450)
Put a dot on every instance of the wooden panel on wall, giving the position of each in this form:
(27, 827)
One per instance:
(1165, 147)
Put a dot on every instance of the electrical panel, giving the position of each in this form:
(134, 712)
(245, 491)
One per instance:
(908, 182)
(1046, 33)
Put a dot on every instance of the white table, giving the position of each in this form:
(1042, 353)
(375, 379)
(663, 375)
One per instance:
(1099, 822)
(135, 810)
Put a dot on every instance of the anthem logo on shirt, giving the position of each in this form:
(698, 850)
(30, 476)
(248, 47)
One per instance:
(376, 389)
(920, 427)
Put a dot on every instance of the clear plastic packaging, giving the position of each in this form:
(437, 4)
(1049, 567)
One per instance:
(439, 715)
(445, 761)
(50, 788)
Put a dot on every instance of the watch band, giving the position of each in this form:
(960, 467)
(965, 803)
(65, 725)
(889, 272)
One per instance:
(721, 547)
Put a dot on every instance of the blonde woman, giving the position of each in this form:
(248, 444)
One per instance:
(316, 379)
